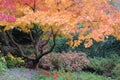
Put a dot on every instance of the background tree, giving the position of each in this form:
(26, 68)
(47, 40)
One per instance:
(57, 17)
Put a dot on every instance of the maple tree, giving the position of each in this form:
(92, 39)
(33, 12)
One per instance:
(99, 19)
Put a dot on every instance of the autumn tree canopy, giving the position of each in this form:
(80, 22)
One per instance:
(99, 18)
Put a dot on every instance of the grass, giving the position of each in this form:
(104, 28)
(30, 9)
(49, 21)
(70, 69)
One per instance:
(26, 74)
(90, 76)
(19, 74)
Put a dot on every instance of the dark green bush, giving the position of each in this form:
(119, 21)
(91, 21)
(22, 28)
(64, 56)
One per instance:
(101, 64)
(98, 49)
(61, 45)
(104, 66)
(116, 71)
(91, 76)
(3, 65)
(13, 61)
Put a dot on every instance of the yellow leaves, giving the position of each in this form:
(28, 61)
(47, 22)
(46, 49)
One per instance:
(116, 32)
(3, 59)
(64, 15)
(20, 60)
(3, 23)
(7, 25)
(27, 10)
(55, 5)
(88, 43)
(70, 43)
(26, 27)
(97, 35)
(65, 4)
(76, 43)
(57, 20)
(98, 1)
(11, 56)
(16, 60)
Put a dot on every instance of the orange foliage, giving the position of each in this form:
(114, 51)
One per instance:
(99, 18)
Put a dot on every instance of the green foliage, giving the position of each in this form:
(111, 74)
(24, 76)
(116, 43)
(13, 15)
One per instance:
(19, 74)
(101, 64)
(3, 66)
(13, 61)
(105, 66)
(58, 75)
(116, 71)
(98, 49)
(101, 49)
(90, 76)
(61, 45)
(80, 26)
(115, 3)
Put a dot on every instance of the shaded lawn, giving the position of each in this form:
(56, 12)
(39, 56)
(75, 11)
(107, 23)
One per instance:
(27, 74)
(19, 74)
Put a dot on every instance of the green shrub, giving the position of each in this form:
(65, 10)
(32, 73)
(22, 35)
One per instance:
(90, 76)
(13, 61)
(98, 49)
(3, 66)
(104, 66)
(58, 75)
(100, 64)
(116, 72)
(20, 74)
(61, 45)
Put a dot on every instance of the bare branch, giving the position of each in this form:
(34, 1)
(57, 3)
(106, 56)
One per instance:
(31, 37)
(33, 8)
(29, 6)
(40, 44)
(18, 46)
(51, 49)
(37, 47)
(34, 5)
(46, 42)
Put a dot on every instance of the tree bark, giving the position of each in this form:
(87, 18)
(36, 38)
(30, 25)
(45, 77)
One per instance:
(39, 47)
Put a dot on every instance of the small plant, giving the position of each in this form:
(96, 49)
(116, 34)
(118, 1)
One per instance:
(90, 76)
(101, 64)
(58, 75)
(13, 61)
(3, 66)
(108, 66)
(116, 71)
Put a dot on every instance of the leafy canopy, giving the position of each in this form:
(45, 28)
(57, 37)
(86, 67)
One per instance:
(98, 18)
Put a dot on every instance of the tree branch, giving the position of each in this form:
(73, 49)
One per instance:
(29, 6)
(37, 47)
(46, 42)
(17, 45)
(50, 50)
(4, 38)
(34, 6)
(31, 37)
